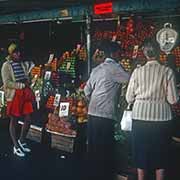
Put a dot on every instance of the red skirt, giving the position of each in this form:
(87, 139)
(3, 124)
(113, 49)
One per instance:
(19, 106)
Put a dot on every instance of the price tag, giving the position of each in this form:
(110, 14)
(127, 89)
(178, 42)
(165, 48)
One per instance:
(67, 93)
(135, 51)
(64, 109)
(78, 47)
(47, 75)
(68, 66)
(38, 98)
(1, 98)
(57, 100)
(114, 38)
(51, 56)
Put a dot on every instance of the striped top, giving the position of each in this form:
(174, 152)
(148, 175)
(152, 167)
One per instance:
(152, 88)
(18, 71)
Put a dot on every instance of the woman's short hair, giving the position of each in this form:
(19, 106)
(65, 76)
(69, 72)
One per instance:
(151, 48)
(108, 47)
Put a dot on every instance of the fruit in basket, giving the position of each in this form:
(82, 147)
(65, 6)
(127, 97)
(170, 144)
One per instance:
(84, 110)
(82, 119)
(73, 110)
(60, 125)
(81, 103)
(79, 110)
(82, 85)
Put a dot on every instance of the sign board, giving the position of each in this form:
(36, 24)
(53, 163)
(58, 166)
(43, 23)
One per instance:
(64, 109)
(103, 8)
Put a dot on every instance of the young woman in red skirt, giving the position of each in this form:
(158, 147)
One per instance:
(19, 97)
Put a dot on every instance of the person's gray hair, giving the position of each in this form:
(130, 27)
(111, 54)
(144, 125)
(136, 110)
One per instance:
(151, 48)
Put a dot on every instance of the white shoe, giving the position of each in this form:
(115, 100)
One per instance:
(18, 152)
(24, 147)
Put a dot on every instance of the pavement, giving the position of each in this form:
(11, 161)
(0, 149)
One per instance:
(42, 163)
(45, 163)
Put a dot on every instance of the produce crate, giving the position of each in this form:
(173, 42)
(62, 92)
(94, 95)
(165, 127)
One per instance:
(34, 133)
(62, 142)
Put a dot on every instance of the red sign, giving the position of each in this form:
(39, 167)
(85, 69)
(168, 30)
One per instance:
(103, 8)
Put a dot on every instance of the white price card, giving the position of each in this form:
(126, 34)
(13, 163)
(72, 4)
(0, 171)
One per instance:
(47, 75)
(51, 56)
(1, 98)
(114, 38)
(64, 109)
(135, 51)
(38, 98)
(57, 100)
(68, 66)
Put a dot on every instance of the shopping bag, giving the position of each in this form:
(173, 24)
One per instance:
(126, 121)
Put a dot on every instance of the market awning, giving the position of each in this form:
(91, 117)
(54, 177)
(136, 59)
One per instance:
(79, 10)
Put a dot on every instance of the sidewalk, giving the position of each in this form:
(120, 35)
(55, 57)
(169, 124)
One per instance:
(44, 163)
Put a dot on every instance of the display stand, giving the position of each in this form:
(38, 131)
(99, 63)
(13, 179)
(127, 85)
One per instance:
(34, 133)
(61, 141)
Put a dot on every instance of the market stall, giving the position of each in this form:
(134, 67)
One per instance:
(130, 31)
(59, 76)
(57, 79)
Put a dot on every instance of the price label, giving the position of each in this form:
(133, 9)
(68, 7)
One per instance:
(64, 109)
(51, 56)
(47, 75)
(38, 98)
(78, 47)
(114, 38)
(1, 98)
(68, 66)
(135, 51)
(57, 100)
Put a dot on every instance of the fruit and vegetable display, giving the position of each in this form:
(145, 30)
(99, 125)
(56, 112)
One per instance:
(79, 107)
(176, 53)
(60, 125)
(130, 33)
(58, 77)
(126, 63)
(68, 64)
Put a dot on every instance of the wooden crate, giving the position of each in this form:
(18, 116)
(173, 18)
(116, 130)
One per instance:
(34, 133)
(62, 142)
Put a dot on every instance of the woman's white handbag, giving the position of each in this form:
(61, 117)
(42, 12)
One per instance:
(126, 121)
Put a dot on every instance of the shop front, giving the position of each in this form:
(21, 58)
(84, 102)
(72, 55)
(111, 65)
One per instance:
(61, 44)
